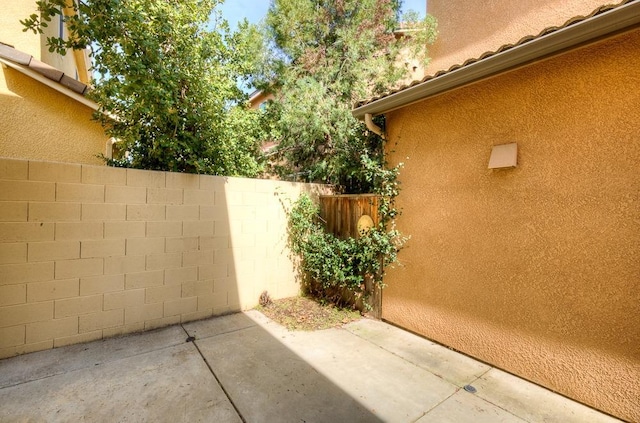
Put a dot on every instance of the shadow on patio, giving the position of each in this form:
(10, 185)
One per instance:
(244, 367)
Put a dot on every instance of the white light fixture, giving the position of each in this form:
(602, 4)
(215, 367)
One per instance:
(504, 156)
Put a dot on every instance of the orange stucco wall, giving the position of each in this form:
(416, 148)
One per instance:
(40, 123)
(534, 269)
(468, 28)
(260, 98)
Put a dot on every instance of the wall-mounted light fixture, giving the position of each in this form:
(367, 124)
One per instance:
(504, 156)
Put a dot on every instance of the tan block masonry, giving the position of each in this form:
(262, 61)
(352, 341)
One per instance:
(88, 252)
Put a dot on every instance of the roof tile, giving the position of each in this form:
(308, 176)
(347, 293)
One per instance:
(504, 47)
(46, 70)
(10, 53)
(73, 84)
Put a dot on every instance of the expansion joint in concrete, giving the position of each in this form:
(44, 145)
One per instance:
(436, 405)
(193, 341)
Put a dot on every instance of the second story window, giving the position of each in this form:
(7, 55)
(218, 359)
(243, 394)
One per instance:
(61, 25)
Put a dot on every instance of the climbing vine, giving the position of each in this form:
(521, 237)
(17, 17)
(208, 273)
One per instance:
(330, 265)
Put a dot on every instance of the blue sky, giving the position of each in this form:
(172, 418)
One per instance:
(254, 10)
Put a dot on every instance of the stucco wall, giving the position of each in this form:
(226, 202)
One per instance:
(66, 63)
(37, 121)
(260, 98)
(534, 269)
(11, 32)
(11, 28)
(88, 252)
(468, 28)
(42, 124)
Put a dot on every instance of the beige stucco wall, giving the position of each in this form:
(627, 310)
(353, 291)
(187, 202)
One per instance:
(66, 63)
(534, 269)
(11, 32)
(469, 28)
(42, 124)
(11, 28)
(88, 252)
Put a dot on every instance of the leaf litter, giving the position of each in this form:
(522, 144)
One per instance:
(307, 314)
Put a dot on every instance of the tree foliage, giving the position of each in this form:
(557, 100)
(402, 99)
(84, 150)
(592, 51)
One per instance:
(333, 53)
(167, 85)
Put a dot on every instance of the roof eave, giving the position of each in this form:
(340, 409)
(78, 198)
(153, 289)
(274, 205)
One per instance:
(52, 84)
(254, 95)
(616, 20)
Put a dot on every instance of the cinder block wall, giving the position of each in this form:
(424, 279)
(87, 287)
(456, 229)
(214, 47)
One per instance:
(88, 252)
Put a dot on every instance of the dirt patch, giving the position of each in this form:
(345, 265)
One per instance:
(302, 313)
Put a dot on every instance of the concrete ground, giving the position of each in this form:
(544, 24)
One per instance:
(244, 367)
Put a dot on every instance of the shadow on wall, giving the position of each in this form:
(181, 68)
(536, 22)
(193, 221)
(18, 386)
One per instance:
(90, 252)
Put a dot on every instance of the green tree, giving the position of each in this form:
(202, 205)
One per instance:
(167, 85)
(332, 53)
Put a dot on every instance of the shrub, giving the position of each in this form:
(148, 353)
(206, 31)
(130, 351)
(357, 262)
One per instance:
(330, 265)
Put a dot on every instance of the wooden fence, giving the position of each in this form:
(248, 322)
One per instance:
(341, 214)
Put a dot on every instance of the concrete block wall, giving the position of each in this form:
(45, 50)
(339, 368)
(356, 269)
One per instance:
(88, 252)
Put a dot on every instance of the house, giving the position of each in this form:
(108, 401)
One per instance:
(46, 115)
(259, 99)
(521, 193)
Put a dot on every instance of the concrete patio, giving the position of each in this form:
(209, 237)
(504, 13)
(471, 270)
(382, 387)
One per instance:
(244, 367)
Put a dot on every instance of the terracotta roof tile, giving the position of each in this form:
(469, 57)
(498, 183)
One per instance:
(503, 48)
(46, 70)
(73, 84)
(14, 55)
(8, 52)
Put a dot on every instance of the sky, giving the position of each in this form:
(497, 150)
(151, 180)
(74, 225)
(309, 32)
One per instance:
(254, 10)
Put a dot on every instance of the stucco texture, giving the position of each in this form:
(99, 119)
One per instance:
(469, 28)
(534, 269)
(40, 123)
(11, 32)
(11, 28)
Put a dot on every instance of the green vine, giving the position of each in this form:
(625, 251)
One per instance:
(330, 265)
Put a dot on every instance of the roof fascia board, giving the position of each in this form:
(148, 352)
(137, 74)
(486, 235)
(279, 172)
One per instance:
(254, 95)
(52, 84)
(591, 29)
